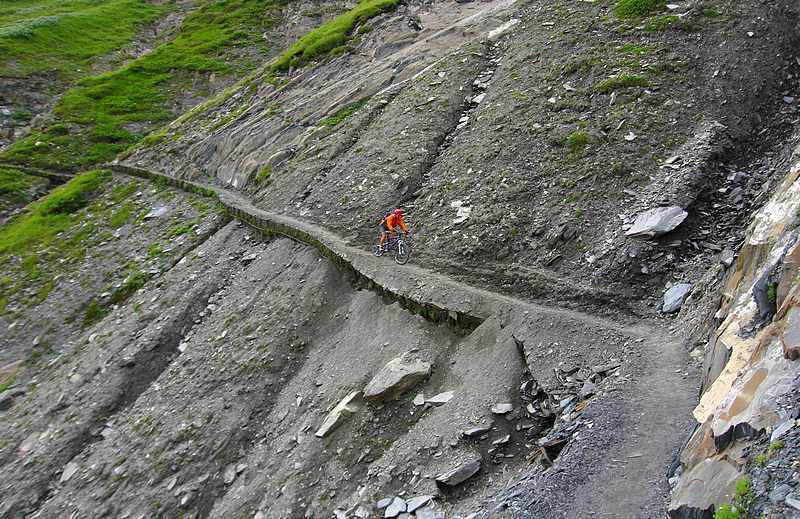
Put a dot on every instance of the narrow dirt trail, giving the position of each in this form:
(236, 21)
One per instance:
(617, 468)
(655, 412)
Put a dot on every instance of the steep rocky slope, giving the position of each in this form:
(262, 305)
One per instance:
(200, 329)
(64, 271)
(203, 393)
(553, 134)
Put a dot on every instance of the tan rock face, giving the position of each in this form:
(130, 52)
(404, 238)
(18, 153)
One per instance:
(768, 245)
(396, 377)
(750, 364)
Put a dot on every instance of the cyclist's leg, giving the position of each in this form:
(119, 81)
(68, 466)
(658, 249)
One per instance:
(383, 235)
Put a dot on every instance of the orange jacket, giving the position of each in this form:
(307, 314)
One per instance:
(393, 221)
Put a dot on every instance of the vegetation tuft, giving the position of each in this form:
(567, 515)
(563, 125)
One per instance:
(621, 81)
(577, 141)
(16, 185)
(135, 280)
(627, 9)
(775, 447)
(331, 37)
(634, 49)
(93, 313)
(8, 383)
(343, 113)
(742, 501)
(661, 23)
(264, 174)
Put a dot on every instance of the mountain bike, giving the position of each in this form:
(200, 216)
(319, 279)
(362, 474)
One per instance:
(399, 248)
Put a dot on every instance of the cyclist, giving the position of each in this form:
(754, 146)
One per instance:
(390, 224)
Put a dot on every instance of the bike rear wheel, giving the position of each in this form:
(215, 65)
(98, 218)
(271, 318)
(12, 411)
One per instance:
(376, 248)
(402, 253)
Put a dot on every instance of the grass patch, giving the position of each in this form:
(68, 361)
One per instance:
(7, 383)
(16, 185)
(63, 36)
(627, 9)
(123, 191)
(742, 501)
(99, 111)
(153, 138)
(331, 37)
(121, 216)
(229, 117)
(21, 116)
(772, 296)
(263, 174)
(180, 230)
(764, 457)
(574, 65)
(94, 312)
(775, 447)
(343, 113)
(135, 280)
(660, 23)
(621, 81)
(44, 219)
(634, 49)
(155, 251)
(577, 141)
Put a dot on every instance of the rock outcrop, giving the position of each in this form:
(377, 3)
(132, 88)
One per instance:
(750, 364)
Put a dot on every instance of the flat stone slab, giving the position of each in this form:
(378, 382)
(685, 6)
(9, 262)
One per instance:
(656, 222)
(417, 502)
(476, 431)
(347, 407)
(675, 296)
(502, 408)
(460, 474)
(395, 508)
(441, 398)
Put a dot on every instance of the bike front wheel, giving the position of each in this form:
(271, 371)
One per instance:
(402, 253)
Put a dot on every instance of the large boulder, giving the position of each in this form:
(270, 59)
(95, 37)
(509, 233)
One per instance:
(396, 377)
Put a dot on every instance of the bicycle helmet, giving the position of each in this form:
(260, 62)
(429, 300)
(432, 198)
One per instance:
(398, 212)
